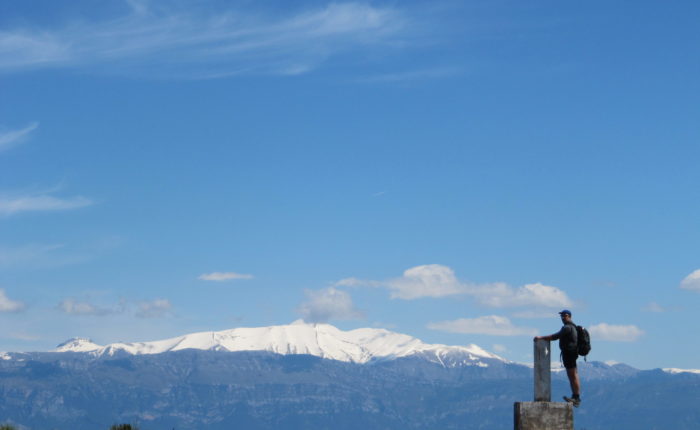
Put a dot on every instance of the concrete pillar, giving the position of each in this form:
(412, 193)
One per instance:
(543, 378)
(544, 416)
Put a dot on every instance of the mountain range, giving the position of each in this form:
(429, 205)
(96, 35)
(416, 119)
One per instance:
(321, 340)
(315, 376)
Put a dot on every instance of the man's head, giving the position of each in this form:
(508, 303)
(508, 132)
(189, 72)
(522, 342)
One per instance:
(565, 315)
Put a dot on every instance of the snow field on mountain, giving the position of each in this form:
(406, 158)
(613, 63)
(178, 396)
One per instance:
(321, 340)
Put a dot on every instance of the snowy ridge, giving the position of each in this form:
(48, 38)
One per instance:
(322, 340)
(676, 371)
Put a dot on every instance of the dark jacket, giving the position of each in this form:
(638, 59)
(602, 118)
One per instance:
(568, 338)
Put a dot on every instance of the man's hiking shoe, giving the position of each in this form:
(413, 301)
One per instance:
(573, 401)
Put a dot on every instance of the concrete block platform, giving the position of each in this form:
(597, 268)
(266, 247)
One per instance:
(544, 416)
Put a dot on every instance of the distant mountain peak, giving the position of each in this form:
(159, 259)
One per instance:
(323, 340)
(78, 344)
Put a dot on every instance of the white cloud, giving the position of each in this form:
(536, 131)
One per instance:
(175, 39)
(73, 307)
(536, 313)
(692, 281)
(616, 333)
(500, 295)
(8, 305)
(491, 325)
(328, 304)
(436, 280)
(45, 202)
(11, 138)
(223, 276)
(153, 309)
(431, 280)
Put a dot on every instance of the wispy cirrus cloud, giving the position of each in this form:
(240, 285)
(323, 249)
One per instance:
(616, 333)
(328, 304)
(406, 76)
(10, 138)
(40, 203)
(14, 203)
(39, 256)
(223, 276)
(170, 39)
(436, 280)
(9, 305)
(493, 325)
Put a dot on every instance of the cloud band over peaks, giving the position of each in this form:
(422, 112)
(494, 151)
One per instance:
(436, 280)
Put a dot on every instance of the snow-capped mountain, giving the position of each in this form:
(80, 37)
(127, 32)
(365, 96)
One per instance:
(322, 340)
(78, 344)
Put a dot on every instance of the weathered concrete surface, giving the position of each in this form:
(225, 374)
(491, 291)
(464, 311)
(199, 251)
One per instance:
(544, 416)
(543, 378)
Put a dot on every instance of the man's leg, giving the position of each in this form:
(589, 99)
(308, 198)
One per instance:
(573, 381)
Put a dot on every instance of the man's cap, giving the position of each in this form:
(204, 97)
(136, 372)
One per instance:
(565, 312)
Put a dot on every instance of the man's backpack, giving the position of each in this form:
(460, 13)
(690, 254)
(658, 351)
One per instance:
(584, 341)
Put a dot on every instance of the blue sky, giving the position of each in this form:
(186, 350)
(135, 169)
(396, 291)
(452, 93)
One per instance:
(456, 171)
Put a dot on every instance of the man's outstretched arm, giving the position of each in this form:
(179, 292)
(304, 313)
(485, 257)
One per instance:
(550, 337)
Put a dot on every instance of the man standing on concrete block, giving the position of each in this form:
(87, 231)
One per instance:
(568, 343)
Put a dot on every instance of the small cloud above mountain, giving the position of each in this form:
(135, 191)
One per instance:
(692, 281)
(223, 276)
(615, 333)
(328, 304)
(9, 305)
(75, 307)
